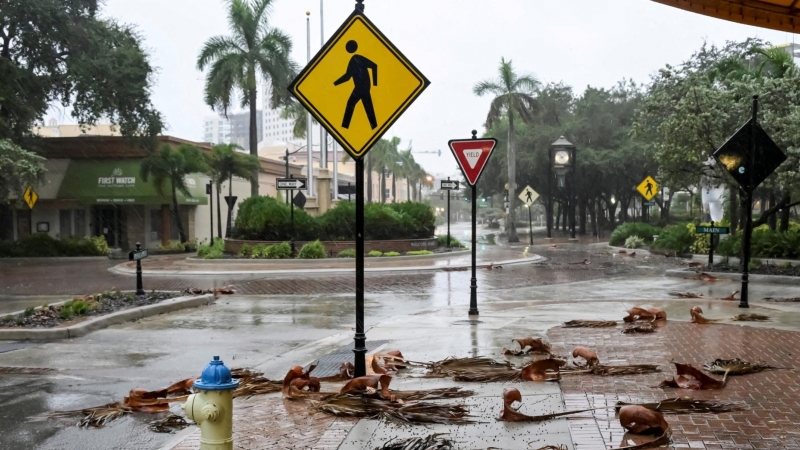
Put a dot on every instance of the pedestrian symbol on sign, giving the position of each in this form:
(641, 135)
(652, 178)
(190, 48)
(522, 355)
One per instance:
(358, 70)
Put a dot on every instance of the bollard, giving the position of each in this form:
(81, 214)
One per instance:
(212, 407)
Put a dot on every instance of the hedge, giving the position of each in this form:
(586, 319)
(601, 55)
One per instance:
(42, 245)
(626, 230)
(267, 219)
(765, 243)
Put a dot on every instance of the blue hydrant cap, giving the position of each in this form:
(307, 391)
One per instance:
(216, 377)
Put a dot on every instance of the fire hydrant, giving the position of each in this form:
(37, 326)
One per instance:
(212, 407)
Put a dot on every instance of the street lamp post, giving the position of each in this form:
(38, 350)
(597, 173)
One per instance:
(309, 121)
(564, 161)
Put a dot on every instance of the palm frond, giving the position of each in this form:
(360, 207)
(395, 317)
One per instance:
(430, 442)
(589, 324)
(736, 367)
(688, 406)
(216, 48)
(750, 318)
(527, 84)
(496, 109)
(168, 424)
(433, 394)
(370, 408)
(488, 87)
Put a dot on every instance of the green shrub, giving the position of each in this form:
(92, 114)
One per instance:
(634, 242)
(421, 219)
(391, 254)
(267, 219)
(42, 245)
(216, 251)
(246, 251)
(129, 297)
(281, 251)
(339, 223)
(626, 230)
(101, 245)
(312, 250)
(375, 253)
(454, 243)
(74, 308)
(419, 252)
(347, 253)
(29, 311)
(675, 237)
(173, 246)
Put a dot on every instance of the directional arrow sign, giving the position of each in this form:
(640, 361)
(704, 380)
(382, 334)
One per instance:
(291, 184)
(137, 255)
(472, 155)
(449, 185)
(528, 196)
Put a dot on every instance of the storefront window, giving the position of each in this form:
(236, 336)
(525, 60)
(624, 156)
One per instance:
(65, 223)
(80, 223)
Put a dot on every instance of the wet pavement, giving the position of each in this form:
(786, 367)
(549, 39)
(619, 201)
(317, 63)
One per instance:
(274, 323)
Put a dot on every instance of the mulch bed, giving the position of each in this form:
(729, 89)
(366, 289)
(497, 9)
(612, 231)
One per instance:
(96, 305)
(764, 269)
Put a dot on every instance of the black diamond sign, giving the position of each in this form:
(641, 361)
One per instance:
(749, 170)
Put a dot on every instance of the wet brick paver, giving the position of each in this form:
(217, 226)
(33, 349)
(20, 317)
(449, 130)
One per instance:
(261, 423)
(773, 397)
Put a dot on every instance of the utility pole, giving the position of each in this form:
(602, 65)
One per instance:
(309, 119)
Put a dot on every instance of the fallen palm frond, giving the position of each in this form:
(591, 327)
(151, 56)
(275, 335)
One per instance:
(639, 328)
(453, 366)
(589, 324)
(371, 408)
(686, 294)
(511, 413)
(697, 316)
(26, 370)
(702, 276)
(168, 424)
(750, 318)
(590, 356)
(256, 385)
(634, 369)
(430, 442)
(783, 300)
(487, 375)
(688, 406)
(554, 447)
(640, 420)
(736, 367)
(95, 417)
(434, 394)
(690, 378)
(731, 297)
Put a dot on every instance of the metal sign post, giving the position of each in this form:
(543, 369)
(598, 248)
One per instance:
(528, 196)
(749, 156)
(472, 155)
(340, 88)
(290, 185)
(712, 230)
(449, 185)
(210, 192)
(138, 255)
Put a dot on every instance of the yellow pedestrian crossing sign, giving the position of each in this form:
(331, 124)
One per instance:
(528, 196)
(30, 197)
(358, 85)
(648, 188)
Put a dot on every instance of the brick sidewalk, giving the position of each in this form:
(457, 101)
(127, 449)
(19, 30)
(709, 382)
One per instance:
(270, 422)
(772, 422)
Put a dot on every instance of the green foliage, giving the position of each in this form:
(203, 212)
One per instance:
(246, 251)
(19, 169)
(624, 231)
(279, 251)
(42, 245)
(454, 243)
(267, 219)
(374, 253)
(101, 245)
(765, 243)
(312, 250)
(208, 251)
(634, 242)
(675, 237)
(74, 308)
(391, 254)
(29, 311)
(129, 297)
(173, 246)
(347, 253)
(419, 252)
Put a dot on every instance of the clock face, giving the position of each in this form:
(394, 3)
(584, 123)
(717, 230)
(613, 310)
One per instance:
(562, 157)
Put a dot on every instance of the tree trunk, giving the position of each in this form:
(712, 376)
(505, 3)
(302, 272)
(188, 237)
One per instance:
(565, 218)
(383, 184)
(511, 225)
(582, 216)
(230, 208)
(785, 215)
(612, 214)
(394, 188)
(593, 217)
(219, 212)
(254, 139)
(733, 208)
(177, 213)
(624, 209)
(408, 190)
(772, 221)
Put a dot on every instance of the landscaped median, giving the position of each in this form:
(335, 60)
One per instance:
(68, 320)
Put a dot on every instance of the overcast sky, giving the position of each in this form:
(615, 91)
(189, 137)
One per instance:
(455, 43)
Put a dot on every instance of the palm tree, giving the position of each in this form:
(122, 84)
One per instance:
(406, 164)
(254, 49)
(171, 166)
(224, 163)
(513, 94)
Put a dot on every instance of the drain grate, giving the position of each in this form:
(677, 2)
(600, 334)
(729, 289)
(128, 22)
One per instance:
(329, 364)
(14, 346)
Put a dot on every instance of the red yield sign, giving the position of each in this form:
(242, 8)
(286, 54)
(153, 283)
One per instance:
(472, 155)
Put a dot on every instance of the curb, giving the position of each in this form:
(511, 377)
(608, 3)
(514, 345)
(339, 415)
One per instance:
(300, 262)
(97, 323)
(125, 271)
(736, 276)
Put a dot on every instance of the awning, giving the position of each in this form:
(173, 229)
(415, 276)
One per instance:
(782, 15)
(119, 182)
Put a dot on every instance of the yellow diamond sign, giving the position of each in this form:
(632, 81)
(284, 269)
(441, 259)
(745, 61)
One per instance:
(30, 197)
(648, 188)
(358, 85)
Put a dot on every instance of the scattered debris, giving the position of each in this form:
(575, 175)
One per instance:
(686, 294)
(658, 312)
(371, 408)
(703, 276)
(588, 355)
(623, 252)
(736, 367)
(169, 424)
(697, 316)
(634, 369)
(455, 366)
(511, 396)
(253, 383)
(297, 380)
(688, 406)
(26, 370)
(542, 370)
(750, 318)
(585, 262)
(589, 324)
(455, 269)
(223, 290)
(731, 297)
(639, 328)
(783, 300)
(637, 313)
(529, 346)
(690, 378)
(640, 420)
(430, 442)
